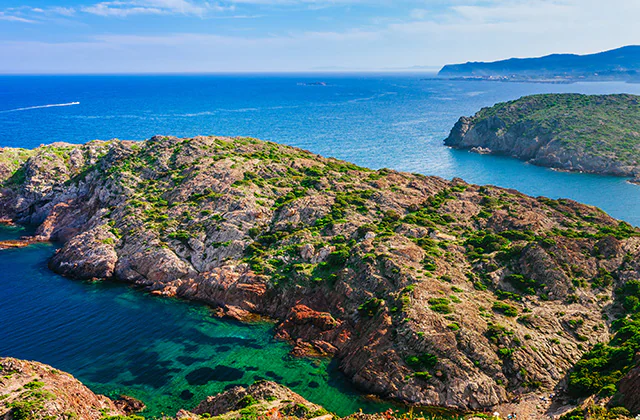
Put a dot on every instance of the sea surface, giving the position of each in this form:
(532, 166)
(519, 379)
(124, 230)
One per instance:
(170, 353)
(385, 120)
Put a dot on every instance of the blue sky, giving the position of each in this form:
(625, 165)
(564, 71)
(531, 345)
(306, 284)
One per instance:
(124, 36)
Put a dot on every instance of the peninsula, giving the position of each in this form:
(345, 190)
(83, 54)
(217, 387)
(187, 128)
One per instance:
(426, 291)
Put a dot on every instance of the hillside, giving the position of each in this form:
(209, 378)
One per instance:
(587, 133)
(427, 291)
(619, 64)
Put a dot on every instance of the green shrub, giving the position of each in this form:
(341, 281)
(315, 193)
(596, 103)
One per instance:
(505, 309)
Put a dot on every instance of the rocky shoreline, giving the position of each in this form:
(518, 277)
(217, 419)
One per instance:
(32, 390)
(537, 129)
(430, 292)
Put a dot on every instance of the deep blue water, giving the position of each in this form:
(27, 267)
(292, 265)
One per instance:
(119, 340)
(395, 121)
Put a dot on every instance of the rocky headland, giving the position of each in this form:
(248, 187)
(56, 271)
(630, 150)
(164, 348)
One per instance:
(31, 390)
(427, 291)
(596, 134)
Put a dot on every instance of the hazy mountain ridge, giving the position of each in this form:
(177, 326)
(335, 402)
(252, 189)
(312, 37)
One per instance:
(618, 64)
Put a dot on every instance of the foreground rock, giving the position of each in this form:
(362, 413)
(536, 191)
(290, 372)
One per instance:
(630, 390)
(428, 291)
(596, 134)
(263, 399)
(31, 390)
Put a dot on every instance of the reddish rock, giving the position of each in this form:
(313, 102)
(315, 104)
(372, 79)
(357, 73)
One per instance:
(629, 390)
(67, 397)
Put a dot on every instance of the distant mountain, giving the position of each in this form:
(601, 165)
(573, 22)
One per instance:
(622, 63)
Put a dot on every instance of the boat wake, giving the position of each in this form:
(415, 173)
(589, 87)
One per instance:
(39, 107)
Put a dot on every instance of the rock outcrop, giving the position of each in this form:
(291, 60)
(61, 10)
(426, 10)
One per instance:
(31, 390)
(427, 291)
(263, 398)
(595, 134)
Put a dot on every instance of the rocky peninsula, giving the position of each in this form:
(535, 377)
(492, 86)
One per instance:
(584, 133)
(427, 291)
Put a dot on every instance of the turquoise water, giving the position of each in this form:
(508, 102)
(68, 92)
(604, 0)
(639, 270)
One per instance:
(168, 353)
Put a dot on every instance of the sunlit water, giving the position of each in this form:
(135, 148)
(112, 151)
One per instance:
(170, 353)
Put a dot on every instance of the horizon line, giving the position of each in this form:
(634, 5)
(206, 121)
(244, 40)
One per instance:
(229, 73)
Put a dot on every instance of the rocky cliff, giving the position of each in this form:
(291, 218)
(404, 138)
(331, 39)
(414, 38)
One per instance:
(597, 134)
(427, 291)
(31, 390)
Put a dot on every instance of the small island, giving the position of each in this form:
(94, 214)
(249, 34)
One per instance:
(582, 133)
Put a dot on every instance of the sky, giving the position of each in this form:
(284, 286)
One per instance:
(168, 36)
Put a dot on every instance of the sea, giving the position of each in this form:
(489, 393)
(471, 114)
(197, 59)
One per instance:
(120, 340)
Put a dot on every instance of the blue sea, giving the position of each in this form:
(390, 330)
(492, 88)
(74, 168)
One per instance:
(118, 339)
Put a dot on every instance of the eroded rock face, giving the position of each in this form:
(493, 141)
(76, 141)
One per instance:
(40, 391)
(88, 255)
(428, 291)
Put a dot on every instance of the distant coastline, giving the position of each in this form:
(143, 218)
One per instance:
(622, 64)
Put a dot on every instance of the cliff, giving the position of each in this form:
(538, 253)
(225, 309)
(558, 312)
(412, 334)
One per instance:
(597, 134)
(427, 291)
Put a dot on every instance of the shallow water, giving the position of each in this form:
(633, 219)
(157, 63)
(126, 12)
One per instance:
(166, 352)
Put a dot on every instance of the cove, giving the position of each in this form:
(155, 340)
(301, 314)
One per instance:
(170, 354)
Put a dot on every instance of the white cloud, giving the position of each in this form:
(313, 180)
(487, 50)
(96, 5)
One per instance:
(13, 18)
(120, 8)
(63, 11)
(432, 32)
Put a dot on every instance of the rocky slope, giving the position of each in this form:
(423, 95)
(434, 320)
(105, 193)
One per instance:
(31, 390)
(428, 291)
(598, 134)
